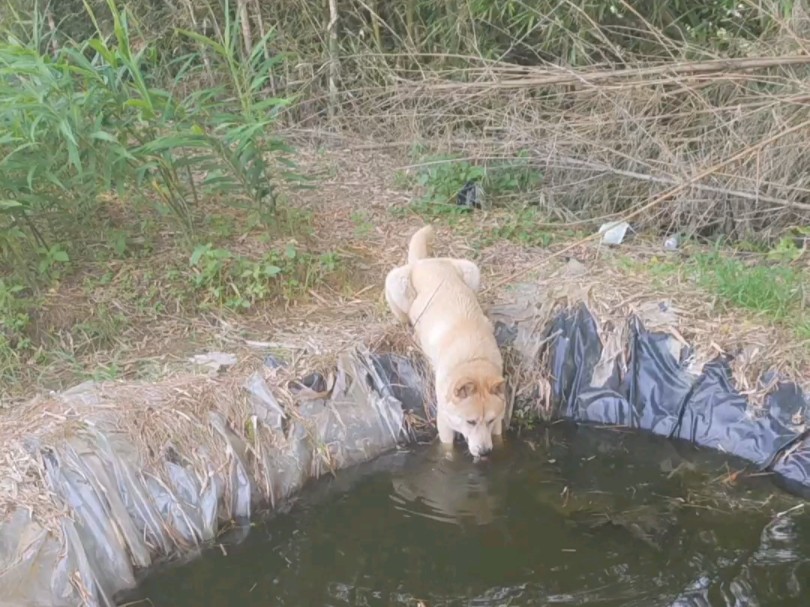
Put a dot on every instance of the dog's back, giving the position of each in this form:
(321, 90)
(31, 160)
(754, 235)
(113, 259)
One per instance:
(447, 318)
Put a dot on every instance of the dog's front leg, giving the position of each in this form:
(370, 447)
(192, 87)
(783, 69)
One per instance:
(446, 432)
(497, 433)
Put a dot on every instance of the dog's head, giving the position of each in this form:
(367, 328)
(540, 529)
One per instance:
(477, 404)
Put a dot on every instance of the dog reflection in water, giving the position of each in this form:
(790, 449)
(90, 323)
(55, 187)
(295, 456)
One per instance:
(445, 488)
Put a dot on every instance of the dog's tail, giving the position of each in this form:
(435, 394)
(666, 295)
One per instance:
(419, 247)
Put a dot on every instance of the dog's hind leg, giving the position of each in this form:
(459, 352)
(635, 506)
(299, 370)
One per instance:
(398, 292)
(470, 273)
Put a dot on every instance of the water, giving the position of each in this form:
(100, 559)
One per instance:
(566, 517)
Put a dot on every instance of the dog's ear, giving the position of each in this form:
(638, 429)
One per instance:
(464, 388)
(498, 387)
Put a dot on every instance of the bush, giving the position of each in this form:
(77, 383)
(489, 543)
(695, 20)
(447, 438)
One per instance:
(91, 118)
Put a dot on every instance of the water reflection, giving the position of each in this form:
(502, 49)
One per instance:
(446, 487)
(545, 521)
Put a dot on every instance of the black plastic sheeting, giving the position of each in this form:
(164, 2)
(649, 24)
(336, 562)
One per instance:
(658, 393)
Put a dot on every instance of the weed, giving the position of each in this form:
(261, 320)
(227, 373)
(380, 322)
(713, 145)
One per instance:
(788, 248)
(89, 119)
(50, 258)
(107, 372)
(237, 282)
(513, 176)
(14, 321)
(84, 120)
(774, 290)
(118, 241)
(524, 420)
(102, 328)
(658, 269)
(402, 180)
(362, 225)
(328, 261)
(441, 178)
(292, 222)
(802, 327)
(520, 227)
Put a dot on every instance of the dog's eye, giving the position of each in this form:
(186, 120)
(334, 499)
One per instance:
(490, 422)
(471, 422)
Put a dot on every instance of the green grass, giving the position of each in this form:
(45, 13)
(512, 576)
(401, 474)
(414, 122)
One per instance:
(91, 122)
(109, 319)
(103, 301)
(763, 284)
(521, 227)
(134, 195)
(439, 178)
(772, 289)
(363, 225)
(222, 279)
(113, 159)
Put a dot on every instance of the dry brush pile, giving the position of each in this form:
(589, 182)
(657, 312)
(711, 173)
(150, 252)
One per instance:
(720, 144)
(616, 103)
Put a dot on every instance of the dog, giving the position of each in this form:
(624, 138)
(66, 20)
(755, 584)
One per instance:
(438, 297)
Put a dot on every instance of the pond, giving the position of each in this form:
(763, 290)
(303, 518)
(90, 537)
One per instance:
(563, 516)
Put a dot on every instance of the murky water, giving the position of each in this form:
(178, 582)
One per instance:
(565, 517)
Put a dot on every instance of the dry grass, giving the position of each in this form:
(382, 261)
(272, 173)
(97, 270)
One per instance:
(689, 140)
(726, 135)
(638, 109)
(614, 291)
(360, 210)
(171, 417)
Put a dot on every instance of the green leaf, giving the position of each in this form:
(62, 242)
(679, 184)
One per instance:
(109, 57)
(6, 205)
(199, 251)
(64, 126)
(103, 136)
(205, 41)
(272, 102)
(60, 256)
(271, 270)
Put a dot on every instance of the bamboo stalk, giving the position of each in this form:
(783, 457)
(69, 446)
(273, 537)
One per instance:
(334, 66)
(244, 22)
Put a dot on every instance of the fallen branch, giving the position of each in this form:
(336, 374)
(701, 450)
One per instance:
(659, 199)
(753, 196)
(672, 70)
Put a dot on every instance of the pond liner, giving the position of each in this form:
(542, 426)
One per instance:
(118, 515)
(659, 393)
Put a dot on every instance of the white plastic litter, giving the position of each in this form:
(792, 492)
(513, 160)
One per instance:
(613, 232)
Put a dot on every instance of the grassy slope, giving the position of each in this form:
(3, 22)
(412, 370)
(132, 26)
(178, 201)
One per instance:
(147, 300)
